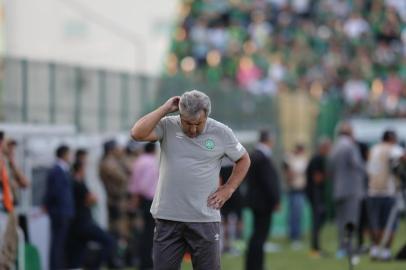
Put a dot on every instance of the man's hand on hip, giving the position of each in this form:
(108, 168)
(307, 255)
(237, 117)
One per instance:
(220, 196)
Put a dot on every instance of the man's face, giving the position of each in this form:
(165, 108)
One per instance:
(83, 158)
(193, 126)
(117, 151)
(11, 148)
(325, 149)
(80, 174)
(269, 143)
(66, 157)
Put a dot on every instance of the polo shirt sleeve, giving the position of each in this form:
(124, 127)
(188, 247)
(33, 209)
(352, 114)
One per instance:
(160, 128)
(232, 147)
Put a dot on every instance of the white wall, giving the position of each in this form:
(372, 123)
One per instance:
(65, 31)
(371, 130)
(1, 27)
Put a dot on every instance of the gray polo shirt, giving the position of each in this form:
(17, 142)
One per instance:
(189, 169)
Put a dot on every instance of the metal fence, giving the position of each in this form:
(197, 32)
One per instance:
(233, 106)
(97, 100)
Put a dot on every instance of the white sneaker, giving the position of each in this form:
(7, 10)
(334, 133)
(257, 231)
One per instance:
(296, 245)
(374, 252)
(385, 254)
(271, 247)
(355, 260)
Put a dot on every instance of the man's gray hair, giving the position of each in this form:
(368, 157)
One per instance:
(192, 102)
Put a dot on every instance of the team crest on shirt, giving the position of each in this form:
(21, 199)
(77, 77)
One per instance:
(209, 144)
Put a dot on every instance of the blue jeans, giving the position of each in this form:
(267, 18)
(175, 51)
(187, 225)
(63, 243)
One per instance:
(379, 209)
(296, 205)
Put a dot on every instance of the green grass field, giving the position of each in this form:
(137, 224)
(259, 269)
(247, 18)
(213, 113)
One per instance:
(287, 259)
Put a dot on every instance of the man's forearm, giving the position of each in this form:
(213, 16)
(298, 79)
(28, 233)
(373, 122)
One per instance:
(143, 127)
(239, 171)
(18, 175)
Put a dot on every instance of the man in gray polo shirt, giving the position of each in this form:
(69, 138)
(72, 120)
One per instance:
(188, 197)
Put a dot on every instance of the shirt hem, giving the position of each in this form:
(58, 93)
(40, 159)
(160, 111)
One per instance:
(186, 220)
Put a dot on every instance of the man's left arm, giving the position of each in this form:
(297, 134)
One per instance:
(224, 192)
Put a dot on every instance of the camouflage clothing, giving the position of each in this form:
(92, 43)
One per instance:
(8, 240)
(8, 229)
(115, 179)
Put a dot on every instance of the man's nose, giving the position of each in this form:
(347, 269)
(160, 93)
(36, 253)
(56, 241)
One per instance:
(193, 129)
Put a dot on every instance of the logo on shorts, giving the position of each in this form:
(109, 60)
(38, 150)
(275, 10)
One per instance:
(216, 237)
(209, 144)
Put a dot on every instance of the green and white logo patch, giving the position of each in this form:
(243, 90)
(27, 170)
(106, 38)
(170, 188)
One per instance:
(209, 144)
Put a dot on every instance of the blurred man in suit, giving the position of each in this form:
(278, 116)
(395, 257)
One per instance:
(59, 203)
(347, 171)
(263, 198)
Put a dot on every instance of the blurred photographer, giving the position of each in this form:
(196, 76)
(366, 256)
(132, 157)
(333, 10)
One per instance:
(382, 193)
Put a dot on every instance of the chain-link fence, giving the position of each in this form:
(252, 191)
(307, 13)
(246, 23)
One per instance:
(106, 101)
(91, 99)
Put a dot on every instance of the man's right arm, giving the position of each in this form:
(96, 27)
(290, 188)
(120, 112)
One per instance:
(18, 174)
(143, 129)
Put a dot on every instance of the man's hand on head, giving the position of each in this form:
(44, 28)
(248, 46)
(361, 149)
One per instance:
(172, 104)
(143, 129)
(220, 196)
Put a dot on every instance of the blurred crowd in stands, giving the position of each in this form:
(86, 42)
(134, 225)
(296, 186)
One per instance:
(353, 49)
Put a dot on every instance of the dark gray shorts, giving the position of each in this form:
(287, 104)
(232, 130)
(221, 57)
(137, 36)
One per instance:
(379, 209)
(173, 238)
